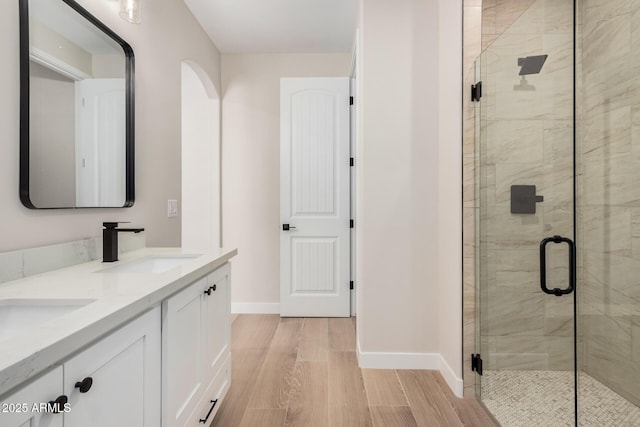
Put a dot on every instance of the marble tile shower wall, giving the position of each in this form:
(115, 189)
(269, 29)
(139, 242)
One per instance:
(525, 139)
(609, 208)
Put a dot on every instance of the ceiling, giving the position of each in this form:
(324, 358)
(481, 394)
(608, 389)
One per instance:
(278, 26)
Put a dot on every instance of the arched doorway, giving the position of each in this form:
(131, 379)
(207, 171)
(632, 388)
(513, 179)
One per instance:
(200, 159)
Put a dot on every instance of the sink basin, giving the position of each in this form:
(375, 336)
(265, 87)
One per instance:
(152, 264)
(17, 315)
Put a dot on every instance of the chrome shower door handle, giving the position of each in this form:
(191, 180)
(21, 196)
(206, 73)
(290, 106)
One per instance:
(543, 266)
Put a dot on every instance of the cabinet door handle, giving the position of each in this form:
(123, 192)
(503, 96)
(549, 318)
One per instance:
(214, 287)
(208, 291)
(59, 403)
(204, 420)
(84, 385)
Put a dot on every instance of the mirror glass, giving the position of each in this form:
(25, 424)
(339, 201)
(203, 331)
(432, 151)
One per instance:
(76, 148)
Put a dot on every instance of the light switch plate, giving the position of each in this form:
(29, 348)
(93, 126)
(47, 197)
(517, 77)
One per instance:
(172, 208)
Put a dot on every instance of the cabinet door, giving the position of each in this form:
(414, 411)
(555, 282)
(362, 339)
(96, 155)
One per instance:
(182, 349)
(17, 409)
(217, 327)
(124, 369)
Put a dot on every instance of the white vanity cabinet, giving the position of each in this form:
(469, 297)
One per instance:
(114, 382)
(17, 409)
(168, 364)
(196, 368)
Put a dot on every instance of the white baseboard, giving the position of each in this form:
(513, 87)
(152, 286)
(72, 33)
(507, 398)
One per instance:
(255, 307)
(430, 361)
(455, 384)
(382, 360)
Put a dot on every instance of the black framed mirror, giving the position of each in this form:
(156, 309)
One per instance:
(76, 109)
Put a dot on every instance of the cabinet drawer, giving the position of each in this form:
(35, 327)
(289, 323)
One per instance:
(216, 391)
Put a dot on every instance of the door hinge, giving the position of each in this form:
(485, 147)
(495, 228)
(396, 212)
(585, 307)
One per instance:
(476, 363)
(351, 223)
(351, 161)
(351, 100)
(476, 92)
(351, 285)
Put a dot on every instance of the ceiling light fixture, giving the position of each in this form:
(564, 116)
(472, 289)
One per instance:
(130, 11)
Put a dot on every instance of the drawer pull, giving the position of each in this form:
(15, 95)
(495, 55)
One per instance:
(202, 421)
(84, 385)
(58, 404)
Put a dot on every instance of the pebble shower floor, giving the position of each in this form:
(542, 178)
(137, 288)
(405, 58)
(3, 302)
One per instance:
(545, 398)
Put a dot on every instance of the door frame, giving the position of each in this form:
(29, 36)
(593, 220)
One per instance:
(353, 138)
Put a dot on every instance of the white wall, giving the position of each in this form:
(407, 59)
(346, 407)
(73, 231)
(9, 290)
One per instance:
(409, 187)
(200, 161)
(45, 40)
(450, 193)
(168, 34)
(52, 178)
(397, 184)
(250, 166)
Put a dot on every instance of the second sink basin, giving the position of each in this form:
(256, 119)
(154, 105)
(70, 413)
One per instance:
(17, 315)
(152, 264)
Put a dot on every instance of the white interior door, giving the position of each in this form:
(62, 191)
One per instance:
(314, 197)
(100, 142)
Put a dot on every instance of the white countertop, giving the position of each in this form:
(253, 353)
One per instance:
(119, 297)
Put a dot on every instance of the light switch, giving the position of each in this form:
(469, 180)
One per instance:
(172, 208)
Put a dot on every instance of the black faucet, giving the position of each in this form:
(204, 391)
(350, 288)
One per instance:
(110, 240)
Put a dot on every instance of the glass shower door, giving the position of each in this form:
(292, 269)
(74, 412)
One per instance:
(526, 233)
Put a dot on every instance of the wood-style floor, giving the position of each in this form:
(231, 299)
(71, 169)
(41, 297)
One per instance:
(304, 372)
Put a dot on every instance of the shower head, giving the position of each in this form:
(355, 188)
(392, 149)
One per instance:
(531, 64)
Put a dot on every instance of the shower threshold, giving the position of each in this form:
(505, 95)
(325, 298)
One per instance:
(545, 398)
